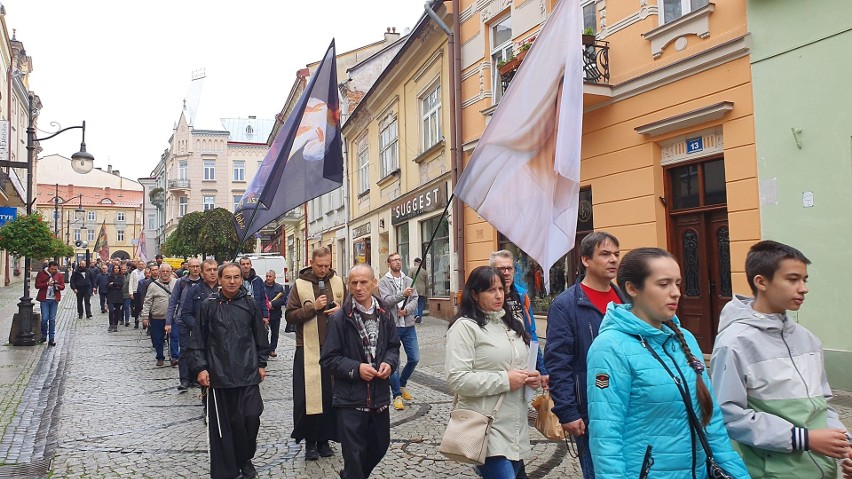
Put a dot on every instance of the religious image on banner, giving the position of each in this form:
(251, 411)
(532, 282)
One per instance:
(140, 248)
(102, 244)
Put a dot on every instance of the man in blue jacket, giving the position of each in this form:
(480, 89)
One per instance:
(572, 324)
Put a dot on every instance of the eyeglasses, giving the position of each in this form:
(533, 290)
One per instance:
(504, 269)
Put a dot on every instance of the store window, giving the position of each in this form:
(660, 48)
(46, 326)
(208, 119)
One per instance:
(438, 257)
(564, 273)
(402, 243)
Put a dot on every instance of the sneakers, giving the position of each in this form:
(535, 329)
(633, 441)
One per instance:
(248, 470)
(397, 403)
(324, 449)
(311, 453)
(42, 340)
(405, 394)
(160, 362)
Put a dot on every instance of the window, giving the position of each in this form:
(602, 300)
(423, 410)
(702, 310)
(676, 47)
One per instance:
(120, 216)
(239, 171)
(77, 236)
(363, 166)
(237, 199)
(152, 221)
(120, 235)
(589, 19)
(209, 202)
(92, 215)
(698, 184)
(182, 201)
(431, 110)
(90, 234)
(402, 243)
(501, 51)
(388, 147)
(438, 258)
(209, 169)
(183, 169)
(674, 9)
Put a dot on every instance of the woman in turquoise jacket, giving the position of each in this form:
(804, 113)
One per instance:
(633, 401)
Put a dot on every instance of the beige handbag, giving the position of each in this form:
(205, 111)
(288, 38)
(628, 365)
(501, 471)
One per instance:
(546, 422)
(466, 437)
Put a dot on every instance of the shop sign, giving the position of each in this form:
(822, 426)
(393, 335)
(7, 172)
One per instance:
(362, 230)
(7, 215)
(417, 204)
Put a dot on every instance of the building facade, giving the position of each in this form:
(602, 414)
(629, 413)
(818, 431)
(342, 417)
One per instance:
(152, 200)
(668, 147)
(77, 206)
(802, 123)
(399, 164)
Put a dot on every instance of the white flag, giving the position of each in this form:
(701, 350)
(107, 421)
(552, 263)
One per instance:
(524, 176)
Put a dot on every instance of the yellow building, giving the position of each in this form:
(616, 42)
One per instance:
(399, 164)
(668, 154)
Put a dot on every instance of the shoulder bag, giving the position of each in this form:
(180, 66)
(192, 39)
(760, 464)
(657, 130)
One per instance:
(714, 470)
(466, 437)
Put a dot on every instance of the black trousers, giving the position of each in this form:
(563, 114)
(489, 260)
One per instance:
(364, 438)
(84, 297)
(233, 420)
(316, 427)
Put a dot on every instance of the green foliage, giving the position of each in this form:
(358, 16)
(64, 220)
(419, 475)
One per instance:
(588, 31)
(206, 233)
(30, 236)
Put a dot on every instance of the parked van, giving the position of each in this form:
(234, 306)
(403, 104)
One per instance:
(263, 262)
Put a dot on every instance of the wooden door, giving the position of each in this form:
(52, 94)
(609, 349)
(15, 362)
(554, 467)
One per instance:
(701, 245)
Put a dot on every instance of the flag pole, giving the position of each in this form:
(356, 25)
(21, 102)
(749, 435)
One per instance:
(429, 245)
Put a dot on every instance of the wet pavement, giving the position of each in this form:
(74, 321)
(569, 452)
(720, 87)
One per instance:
(98, 406)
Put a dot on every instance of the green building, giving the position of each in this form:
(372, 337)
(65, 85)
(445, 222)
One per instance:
(802, 80)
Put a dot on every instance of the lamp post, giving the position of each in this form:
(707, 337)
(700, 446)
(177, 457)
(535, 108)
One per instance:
(82, 162)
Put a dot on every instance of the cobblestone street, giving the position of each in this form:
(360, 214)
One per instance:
(97, 406)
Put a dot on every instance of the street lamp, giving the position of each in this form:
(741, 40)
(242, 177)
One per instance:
(82, 162)
(80, 213)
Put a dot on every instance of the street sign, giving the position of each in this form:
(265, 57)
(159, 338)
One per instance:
(7, 215)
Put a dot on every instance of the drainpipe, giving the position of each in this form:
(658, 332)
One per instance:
(455, 126)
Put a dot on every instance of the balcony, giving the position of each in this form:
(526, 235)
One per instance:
(179, 185)
(595, 65)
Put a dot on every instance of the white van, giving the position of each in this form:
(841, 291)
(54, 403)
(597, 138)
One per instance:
(263, 262)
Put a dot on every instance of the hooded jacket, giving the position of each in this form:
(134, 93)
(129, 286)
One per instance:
(229, 341)
(771, 385)
(573, 323)
(343, 354)
(392, 297)
(297, 313)
(633, 403)
(257, 291)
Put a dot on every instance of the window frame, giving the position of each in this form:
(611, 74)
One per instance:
(686, 7)
(586, 4)
(183, 204)
(209, 170)
(363, 155)
(90, 235)
(119, 236)
(237, 199)
(92, 216)
(501, 52)
(239, 170)
(430, 116)
(389, 147)
(183, 170)
(121, 216)
(208, 205)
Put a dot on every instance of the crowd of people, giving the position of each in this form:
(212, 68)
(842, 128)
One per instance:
(629, 383)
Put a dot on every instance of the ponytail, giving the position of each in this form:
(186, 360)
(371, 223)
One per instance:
(701, 391)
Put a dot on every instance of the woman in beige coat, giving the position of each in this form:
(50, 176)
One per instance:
(486, 359)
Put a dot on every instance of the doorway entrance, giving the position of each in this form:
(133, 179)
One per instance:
(700, 241)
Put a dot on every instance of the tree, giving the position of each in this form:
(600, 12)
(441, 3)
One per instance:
(206, 233)
(31, 236)
(218, 237)
(183, 241)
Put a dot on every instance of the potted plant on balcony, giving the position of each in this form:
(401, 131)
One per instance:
(508, 65)
(156, 196)
(588, 37)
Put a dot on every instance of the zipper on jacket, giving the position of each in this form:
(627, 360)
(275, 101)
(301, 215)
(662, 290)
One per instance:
(686, 388)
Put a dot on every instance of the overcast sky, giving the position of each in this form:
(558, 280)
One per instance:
(125, 67)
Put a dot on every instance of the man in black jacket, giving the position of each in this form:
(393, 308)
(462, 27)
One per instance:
(83, 283)
(277, 297)
(361, 350)
(228, 350)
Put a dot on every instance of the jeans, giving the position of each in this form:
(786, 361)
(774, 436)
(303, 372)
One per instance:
(103, 302)
(128, 303)
(408, 338)
(174, 341)
(115, 313)
(158, 335)
(585, 455)
(48, 317)
(498, 467)
(421, 306)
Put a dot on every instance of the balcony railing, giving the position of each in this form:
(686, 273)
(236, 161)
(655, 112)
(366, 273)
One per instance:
(595, 65)
(179, 184)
